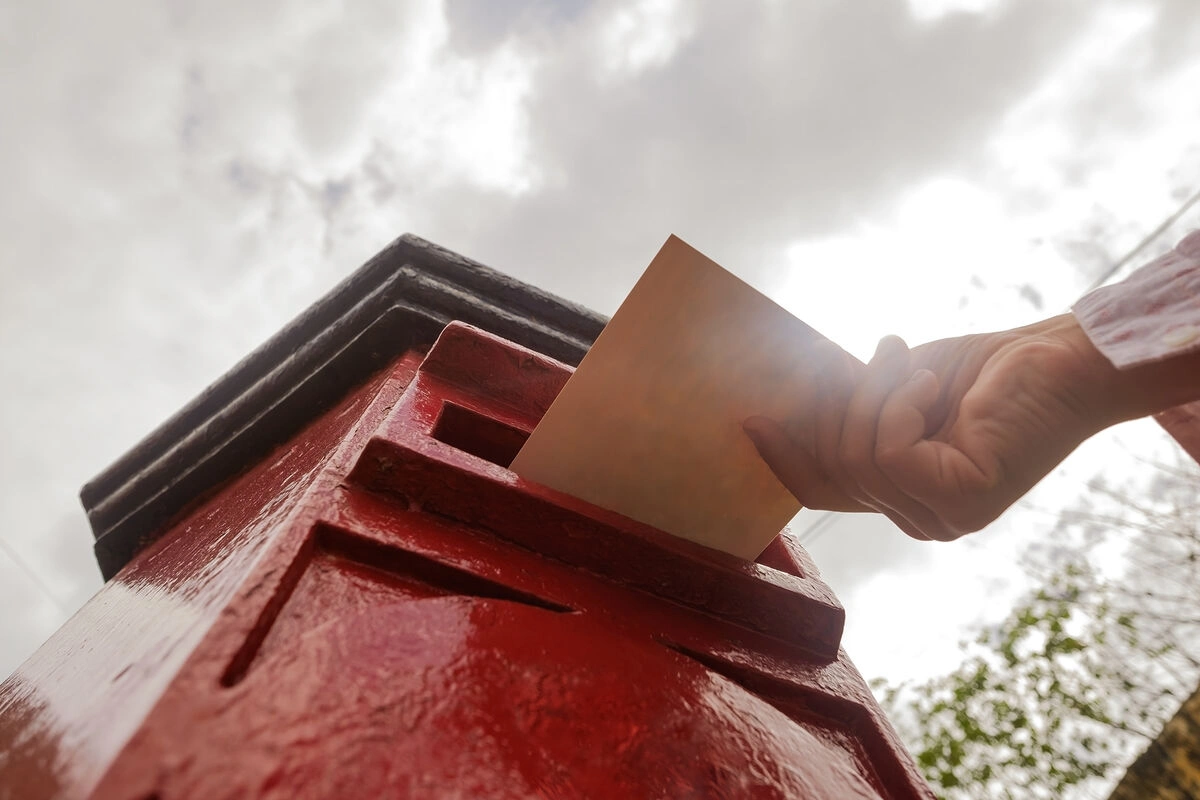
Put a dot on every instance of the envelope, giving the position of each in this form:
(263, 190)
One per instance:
(650, 424)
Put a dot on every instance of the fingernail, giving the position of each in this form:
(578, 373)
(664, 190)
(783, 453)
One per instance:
(890, 345)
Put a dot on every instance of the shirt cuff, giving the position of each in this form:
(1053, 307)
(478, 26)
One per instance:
(1152, 315)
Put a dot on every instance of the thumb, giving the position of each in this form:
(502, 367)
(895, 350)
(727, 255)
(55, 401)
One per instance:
(795, 467)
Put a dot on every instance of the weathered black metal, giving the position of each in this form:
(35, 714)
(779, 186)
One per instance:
(400, 299)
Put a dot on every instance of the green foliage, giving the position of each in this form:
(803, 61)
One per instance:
(1033, 710)
(1057, 698)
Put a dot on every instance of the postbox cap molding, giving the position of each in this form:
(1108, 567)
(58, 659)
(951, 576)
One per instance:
(399, 300)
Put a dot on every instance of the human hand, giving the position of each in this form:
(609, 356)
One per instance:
(945, 437)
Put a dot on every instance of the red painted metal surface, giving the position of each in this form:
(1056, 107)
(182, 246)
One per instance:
(381, 609)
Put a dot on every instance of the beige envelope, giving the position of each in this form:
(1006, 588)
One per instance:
(650, 424)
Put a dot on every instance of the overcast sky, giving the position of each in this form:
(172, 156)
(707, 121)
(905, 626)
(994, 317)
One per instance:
(180, 179)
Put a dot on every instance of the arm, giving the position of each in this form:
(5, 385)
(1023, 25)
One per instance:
(944, 437)
(1152, 316)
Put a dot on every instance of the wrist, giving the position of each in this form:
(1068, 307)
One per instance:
(1108, 395)
(1088, 382)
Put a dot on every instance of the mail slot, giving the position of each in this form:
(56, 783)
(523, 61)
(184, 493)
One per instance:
(472, 397)
(378, 607)
(478, 434)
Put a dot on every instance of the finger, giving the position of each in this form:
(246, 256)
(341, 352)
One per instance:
(903, 420)
(795, 467)
(939, 475)
(902, 423)
(906, 527)
(936, 474)
(833, 395)
(887, 371)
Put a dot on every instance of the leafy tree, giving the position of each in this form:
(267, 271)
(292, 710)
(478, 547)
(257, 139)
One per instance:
(1055, 700)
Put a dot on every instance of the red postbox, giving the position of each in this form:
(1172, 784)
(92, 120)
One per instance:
(363, 601)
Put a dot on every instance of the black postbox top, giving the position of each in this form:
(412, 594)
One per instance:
(399, 300)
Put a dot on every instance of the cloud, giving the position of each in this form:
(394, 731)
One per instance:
(477, 26)
(183, 178)
(771, 122)
(643, 36)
